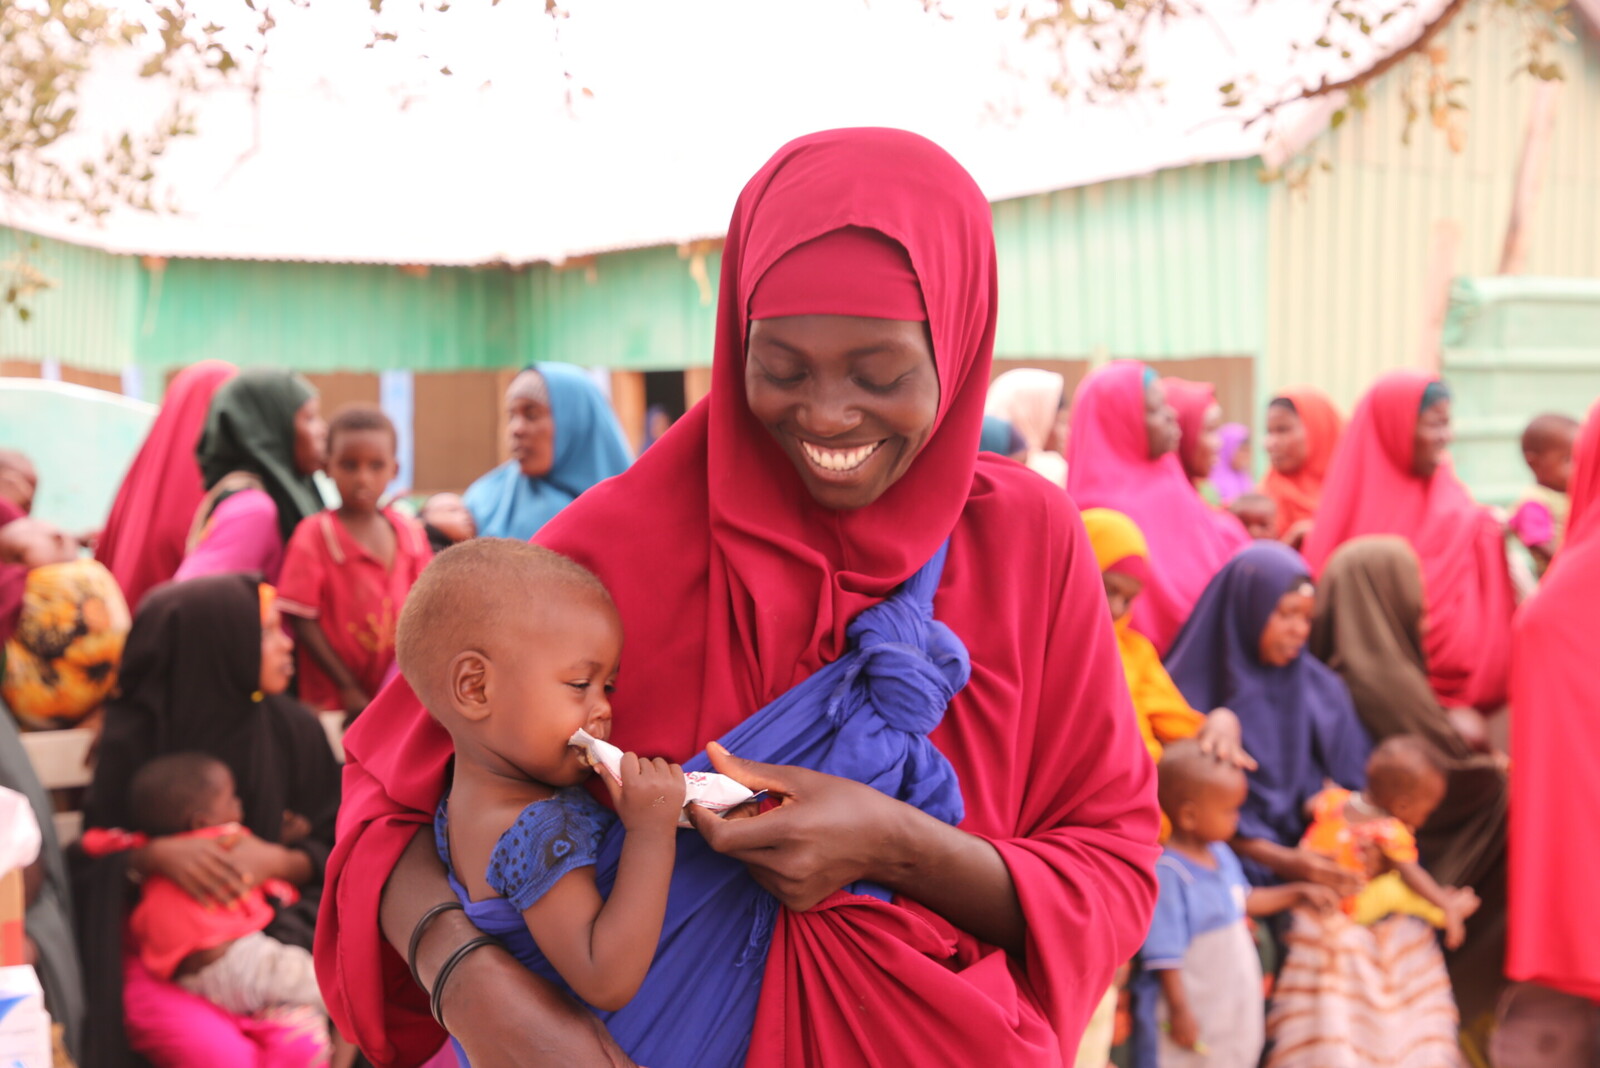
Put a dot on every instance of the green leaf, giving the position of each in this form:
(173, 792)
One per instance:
(23, 313)
(1338, 118)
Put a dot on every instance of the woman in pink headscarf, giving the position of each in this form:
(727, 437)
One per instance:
(1123, 456)
(1391, 475)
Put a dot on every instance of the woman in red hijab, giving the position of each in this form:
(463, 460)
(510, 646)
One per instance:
(143, 542)
(1124, 442)
(1199, 430)
(835, 455)
(1391, 475)
(1555, 785)
(1303, 430)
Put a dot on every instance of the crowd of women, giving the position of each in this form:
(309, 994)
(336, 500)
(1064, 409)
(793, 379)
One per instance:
(1287, 627)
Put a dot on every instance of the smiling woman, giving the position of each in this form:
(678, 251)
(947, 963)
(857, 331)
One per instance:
(905, 644)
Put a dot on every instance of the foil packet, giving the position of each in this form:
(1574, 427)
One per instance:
(705, 788)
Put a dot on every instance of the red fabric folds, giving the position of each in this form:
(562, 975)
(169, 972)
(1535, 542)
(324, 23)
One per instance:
(1298, 495)
(1109, 466)
(745, 586)
(142, 544)
(1370, 489)
(13, 580)
(1555, 785)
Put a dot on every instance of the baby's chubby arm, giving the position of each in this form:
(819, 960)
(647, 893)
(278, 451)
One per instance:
(603, 947)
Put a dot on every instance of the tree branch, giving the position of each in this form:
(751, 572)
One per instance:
(1355, 81)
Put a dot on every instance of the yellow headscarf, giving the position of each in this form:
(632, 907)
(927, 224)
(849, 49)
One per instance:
(1164, 716)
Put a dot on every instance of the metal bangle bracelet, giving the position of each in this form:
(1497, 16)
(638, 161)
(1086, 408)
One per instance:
(436, 999)
(421, 929)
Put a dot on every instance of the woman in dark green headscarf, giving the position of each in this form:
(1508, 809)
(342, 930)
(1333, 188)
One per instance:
(263, 440)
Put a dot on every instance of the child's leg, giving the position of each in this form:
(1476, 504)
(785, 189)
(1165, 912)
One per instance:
(257, 972)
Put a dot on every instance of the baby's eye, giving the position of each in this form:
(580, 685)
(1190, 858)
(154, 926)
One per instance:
(579, 684)
(611, 687)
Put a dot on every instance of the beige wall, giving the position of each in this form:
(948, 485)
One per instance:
(1349, 256)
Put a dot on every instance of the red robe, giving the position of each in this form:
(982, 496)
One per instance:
(1555, 783)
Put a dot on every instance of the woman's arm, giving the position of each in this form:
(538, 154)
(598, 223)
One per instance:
(1297, 865)
(501, 1013)
(828, 832)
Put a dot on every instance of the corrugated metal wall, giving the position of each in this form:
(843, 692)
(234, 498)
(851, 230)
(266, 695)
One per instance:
(1348, 261)
(641, 310)
(328, 317)
(1170, 265)
(85, 319)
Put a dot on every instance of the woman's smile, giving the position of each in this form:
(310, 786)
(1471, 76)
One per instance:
(839, 464)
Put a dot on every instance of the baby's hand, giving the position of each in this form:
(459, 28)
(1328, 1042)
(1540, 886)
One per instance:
(1324, 899)
(651, 793)
(1461, 905)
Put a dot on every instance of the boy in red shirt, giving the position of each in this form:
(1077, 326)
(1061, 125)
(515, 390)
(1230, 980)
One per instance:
(346, 571)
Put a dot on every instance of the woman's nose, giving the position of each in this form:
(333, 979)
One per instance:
(828, 414)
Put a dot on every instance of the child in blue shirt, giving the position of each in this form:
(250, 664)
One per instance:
(1198, 997)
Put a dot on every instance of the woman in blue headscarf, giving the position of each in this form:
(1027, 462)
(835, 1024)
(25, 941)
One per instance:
(564, 439)
(1243, 648)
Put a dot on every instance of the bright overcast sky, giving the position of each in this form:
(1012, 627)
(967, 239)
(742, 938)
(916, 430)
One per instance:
(372, 155)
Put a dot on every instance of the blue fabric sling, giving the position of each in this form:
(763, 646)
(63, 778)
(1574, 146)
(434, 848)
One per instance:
(867, 717)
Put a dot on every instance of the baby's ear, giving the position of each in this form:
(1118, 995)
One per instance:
(469, 674)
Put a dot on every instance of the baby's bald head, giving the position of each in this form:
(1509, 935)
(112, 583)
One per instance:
(480, 595)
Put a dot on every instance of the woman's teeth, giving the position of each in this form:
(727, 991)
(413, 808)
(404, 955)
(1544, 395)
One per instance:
(839, 460)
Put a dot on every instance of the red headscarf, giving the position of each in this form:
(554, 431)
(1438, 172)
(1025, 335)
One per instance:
(1371, 490)
(1191, 400)
(142, 544)
(1555, 786)
(744, 586)
(1109, 466)
(1299, 494)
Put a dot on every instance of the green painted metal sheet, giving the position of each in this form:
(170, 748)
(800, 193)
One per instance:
(1165, 266)
(1516, 347)
(87, 316)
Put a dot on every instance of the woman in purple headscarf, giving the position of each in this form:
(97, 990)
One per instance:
(1231, 474)
(1244, 649)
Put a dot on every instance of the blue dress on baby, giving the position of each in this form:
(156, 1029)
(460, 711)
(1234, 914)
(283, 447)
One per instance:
(550, 839)
(866, 716)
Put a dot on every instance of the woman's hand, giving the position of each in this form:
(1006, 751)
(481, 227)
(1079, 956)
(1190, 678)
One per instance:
(296, 828)
(260, 860)
(204, 868)
(824, 834)
(1305, 866)
(1222, 739)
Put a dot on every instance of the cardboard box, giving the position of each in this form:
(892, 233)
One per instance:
(24, 1024)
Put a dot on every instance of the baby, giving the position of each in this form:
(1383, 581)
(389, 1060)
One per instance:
(1258, 513)
(1372, 834)
(1539, 519)
(218, 952)
(513, 649)
(1197, 998)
